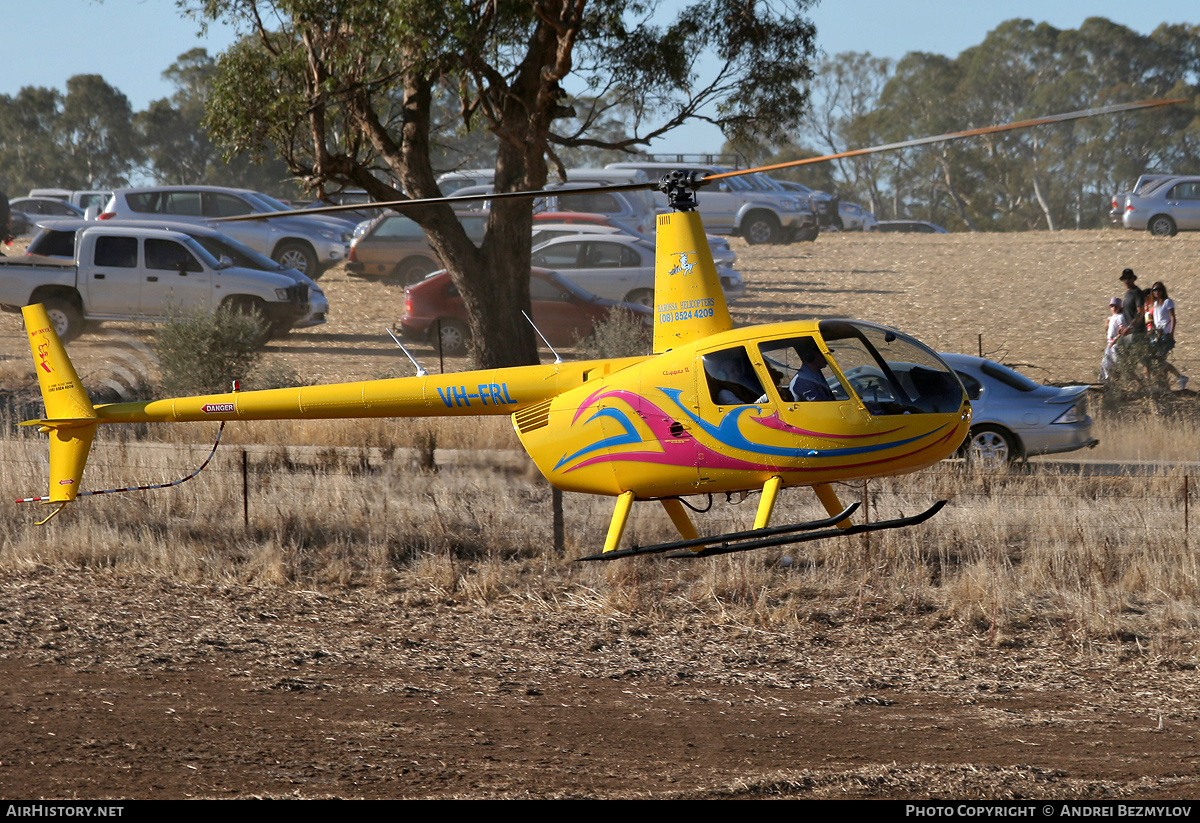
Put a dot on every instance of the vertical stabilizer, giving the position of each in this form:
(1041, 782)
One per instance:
(688, 301)
(71, 420)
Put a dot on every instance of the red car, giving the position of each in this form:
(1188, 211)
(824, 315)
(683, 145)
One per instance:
(562, 311)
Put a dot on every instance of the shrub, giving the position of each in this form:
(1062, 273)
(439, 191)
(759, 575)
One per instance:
(618, 335)
(203, 353)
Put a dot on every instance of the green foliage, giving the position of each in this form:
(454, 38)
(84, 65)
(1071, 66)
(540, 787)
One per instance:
(83, 139)
(619, 335)
(203, 353)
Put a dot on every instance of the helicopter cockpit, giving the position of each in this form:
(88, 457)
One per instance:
(889, 372)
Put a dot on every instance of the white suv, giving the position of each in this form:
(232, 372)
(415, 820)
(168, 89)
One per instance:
(309, 244)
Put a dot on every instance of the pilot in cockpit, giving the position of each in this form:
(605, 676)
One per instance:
(810, 383)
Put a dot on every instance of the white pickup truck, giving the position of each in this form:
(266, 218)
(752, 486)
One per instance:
(145, 274)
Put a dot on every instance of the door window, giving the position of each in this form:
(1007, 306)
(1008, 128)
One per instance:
(170, 256)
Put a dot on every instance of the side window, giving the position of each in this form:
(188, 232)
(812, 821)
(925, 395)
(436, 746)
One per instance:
(596, 202)
(731, 379)
(143, 202)
(169, 255)
(800, 372)
(117, 252)
(608, 256)
(217, 204)
(974, 387)
(558, 256)
(183, 203)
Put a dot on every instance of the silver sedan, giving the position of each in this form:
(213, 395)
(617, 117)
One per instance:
(1171, 206)
(1015, 417)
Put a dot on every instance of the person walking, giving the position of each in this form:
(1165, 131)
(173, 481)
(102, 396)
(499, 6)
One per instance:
(1161, 310)
(1109, 360)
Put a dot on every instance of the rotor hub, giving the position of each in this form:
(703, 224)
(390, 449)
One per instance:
(680, 188)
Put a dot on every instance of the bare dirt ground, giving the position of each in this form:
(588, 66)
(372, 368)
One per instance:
(120, 685)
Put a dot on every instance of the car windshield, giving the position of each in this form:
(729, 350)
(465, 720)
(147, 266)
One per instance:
(268, 203)
(201, 252)
(241, 254)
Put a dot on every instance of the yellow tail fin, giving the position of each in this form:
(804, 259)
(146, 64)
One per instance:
(70, 418)
(688, 301)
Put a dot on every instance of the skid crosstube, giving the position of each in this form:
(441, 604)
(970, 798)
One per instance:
(765, 538)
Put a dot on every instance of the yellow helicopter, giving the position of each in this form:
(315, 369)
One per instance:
(713, 409)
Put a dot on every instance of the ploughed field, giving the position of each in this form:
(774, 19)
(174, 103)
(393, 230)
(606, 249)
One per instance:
(460, 674)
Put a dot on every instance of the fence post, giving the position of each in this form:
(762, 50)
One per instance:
(559, 530)
(245, 493)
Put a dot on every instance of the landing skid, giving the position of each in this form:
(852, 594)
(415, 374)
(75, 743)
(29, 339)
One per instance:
(764, 538)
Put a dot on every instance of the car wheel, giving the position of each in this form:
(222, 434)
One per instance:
(989, 448)
(66, 319)
(760, 229)
(1161, 225)
(455, 336)
(412, 270)
(839, 224)
(642, 297)
(807, 235)
(298, 256)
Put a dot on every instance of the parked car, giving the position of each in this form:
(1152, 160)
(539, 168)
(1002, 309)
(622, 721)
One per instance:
(821, 203)
(396, 248)
(36, 207)
(908, 226)
(618, 268)
(1165, 207)
(1015, 417)
(854, 217)
(1143, 185)
(562, 311)
(56, 237)
(308, 244)
(733, 206)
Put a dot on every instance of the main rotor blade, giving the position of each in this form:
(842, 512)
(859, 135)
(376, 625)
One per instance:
(434, 201)
(957, 135)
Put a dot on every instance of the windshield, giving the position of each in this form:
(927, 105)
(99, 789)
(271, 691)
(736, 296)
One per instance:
(267, 203)
(200, 252)
(890, 372)
(241, 254)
